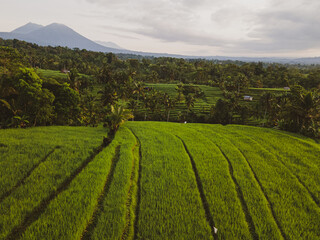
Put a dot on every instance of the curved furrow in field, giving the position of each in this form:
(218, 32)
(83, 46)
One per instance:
(168, 189)
(135, 220)
(201, 192)
(285, 143)
(217, 183)
(300, 160)
(99, 207)
(265, 196)
(95, 199)
(258, 206)
(116, 209)
(132, 203)
(293, 207)
(33, 216)
(302, 184)
(28, 173)
(314, 198)
(241, 198)
(16, 167)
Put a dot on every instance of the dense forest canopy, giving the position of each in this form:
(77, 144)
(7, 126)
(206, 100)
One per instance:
(95, 83)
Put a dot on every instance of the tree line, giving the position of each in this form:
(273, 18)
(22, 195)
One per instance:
(27, 99)
(165, 69)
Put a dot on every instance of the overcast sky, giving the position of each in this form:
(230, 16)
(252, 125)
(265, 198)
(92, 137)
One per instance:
(190, 27)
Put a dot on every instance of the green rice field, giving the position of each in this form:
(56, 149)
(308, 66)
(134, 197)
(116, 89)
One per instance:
(158, 180)
(211, 96)
(57, 75)
(202, 105)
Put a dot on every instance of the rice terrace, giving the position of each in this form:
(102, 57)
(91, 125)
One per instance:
(158, 180)
(183, 120)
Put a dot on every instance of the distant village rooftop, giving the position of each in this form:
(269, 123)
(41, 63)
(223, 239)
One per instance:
(247, 98)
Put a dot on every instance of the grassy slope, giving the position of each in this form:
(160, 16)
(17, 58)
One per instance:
(248, 182)
(70, 212)
(57, 75)
(251, 208)
(294, 209)
(213, 173)
(279, 201)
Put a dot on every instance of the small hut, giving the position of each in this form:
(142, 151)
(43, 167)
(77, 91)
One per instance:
(247, 98)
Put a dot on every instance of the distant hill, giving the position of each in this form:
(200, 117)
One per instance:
(60, 35)
(55, 35)
(25, 29)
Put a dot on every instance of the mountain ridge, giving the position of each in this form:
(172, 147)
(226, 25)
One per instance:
(54, 34)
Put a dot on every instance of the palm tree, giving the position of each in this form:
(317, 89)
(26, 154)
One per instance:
(73, 79)
(117, 117)
(190, 101)
(169, 104)
(266, 102)
(302, 111)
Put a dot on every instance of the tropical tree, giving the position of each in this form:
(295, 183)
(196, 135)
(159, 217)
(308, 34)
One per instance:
(169, 104)
(301, 113)
(90, 110)
(109, 94)
(73, 79)
(190, 100)
(222, 112)
(118, 116)
(266, 102)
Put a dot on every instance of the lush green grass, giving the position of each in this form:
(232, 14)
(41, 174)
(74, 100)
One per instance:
(250, 210)
(32, 187)
(256, 177)
(159, 180)
(168, 189)
(57, 75)
(304, 164)
(213, 173)
(268, 89)
(255, 204)
(294, 208)
(70, 212)
(117, 211)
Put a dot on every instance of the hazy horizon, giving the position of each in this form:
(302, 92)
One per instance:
(266, 28)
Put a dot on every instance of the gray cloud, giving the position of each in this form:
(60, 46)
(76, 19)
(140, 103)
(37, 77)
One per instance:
(172, 34)
(229, 25)
(282, 27)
